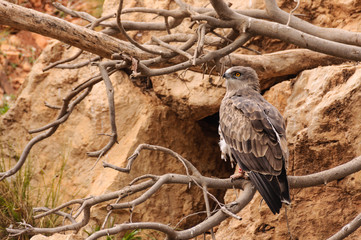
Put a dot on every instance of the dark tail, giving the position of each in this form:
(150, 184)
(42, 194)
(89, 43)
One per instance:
(273, 189)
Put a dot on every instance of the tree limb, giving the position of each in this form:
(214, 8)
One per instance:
(74, 35)
(332, 34)
(326, 176)
(347, 229)
(286, 33)
(156, 182)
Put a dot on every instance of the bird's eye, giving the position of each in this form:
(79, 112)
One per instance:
(237, 74)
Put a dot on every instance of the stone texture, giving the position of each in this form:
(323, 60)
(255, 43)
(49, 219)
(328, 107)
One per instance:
(194, 96)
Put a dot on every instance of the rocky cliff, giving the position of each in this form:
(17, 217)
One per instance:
(321, 107)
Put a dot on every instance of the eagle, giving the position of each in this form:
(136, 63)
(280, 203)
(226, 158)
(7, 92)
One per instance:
(252, 134)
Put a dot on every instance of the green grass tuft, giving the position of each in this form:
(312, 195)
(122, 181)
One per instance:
(15, 204)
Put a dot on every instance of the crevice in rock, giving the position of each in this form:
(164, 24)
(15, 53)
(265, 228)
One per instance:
(209, 126)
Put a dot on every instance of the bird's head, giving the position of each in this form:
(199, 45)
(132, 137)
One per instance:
(241, 77)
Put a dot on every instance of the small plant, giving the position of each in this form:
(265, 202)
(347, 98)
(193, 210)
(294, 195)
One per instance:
(50, 198)
(5, 103)
(97, 228)
(4, 33)
(13, 65)
(97, 6)
(129, 235)
(4, 108)
(15, 205)
(17, 201)
(132, 235)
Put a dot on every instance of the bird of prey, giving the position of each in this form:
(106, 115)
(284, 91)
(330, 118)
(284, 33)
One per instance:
(252, 133)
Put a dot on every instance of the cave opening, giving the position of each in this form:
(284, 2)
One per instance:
(209, 126)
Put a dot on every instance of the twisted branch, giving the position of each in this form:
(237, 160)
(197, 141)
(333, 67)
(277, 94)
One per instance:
(154, 184)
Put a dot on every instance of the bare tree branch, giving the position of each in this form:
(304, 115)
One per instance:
(60, 213)
(95, 42)
(332, 34)
(76, 55)
(326, 176)
(77, 65)
(175, 49)
(110, 94)
(122, 30)
(64, 113)
(287, 34)
(347, 229)
(156, 182)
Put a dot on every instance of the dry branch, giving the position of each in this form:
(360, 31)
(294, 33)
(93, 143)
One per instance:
(326, 176)
(332, 34)
(63, 115)
(104, 45)
(110, 93)
(347, 229)
(153, 185)
(286, 33)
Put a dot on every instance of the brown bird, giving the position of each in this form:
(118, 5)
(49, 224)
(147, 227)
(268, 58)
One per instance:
(252, 133)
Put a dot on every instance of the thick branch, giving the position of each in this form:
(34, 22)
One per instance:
(301, 39)
(234, 207)
(83, 38)
(347, 229)
(286, 33)
(332, 34)
(326, 176)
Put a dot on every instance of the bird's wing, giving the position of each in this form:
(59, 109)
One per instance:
(255, 131)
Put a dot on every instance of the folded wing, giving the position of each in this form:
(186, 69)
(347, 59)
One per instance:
(255, 133)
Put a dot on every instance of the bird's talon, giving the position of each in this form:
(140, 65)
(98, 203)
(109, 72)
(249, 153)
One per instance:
(240, 175)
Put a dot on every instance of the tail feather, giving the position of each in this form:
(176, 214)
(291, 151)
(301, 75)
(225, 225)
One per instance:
(269, 190)
(273, 189)
(285, 189)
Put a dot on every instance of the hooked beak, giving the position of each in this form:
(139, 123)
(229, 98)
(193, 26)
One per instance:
(225, 75)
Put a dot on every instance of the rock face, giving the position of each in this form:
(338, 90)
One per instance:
(321, 108)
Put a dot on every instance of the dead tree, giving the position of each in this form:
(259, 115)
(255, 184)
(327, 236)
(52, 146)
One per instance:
(206, 46)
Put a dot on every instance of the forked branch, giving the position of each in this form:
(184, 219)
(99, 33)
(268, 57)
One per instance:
(154, 183)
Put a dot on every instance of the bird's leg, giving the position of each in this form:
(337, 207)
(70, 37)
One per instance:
(240, 174)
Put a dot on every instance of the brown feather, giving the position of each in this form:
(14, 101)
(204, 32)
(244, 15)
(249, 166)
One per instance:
(252, 130)
(255, 133)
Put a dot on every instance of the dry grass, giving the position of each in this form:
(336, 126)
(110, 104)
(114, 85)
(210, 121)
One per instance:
(15, 205)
